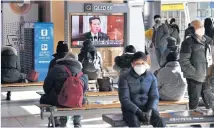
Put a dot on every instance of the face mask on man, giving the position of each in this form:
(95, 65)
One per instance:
(157, 20)
(200, 31)
(140, 69)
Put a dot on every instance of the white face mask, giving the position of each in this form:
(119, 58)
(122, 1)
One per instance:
(200, 32)
(140, 69)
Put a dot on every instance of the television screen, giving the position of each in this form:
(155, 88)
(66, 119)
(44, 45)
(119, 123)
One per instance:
(103, 31)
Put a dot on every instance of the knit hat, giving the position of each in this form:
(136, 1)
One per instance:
(196, 24)
(62, 47)
(172, 56)
(171, 42)
(70, 55)
(139, 55)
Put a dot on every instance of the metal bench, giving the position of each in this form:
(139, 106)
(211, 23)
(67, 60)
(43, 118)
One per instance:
(170, 118)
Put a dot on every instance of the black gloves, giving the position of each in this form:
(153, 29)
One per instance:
(144, 116)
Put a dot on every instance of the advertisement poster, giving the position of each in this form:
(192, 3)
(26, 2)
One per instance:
(43, 48)
(14, 16)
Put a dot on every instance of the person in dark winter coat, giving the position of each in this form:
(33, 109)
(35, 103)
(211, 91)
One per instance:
(57, 75)
(123, 63)
(174, 31)
(61, 51)
(190, 30)
(209, 29)
(10, 66)
(138, 94)
(194, 60)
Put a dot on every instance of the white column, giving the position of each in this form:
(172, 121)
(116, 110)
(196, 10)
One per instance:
(135, 25)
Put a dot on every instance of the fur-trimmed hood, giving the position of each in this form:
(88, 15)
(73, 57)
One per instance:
(9, 48)
(70, 61)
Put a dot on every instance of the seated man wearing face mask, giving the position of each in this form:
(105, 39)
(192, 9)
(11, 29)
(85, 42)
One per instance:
(138, 94)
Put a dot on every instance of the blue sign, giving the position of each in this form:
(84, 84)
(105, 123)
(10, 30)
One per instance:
(211, 4)
(43, 48)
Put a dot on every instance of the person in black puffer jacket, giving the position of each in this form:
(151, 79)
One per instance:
(10, 66)
(123, 63)
(61, 51)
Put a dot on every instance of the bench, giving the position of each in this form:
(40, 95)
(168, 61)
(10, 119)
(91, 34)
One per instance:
(114, 104)
(53, 109)
(18, 86)
(170, 118)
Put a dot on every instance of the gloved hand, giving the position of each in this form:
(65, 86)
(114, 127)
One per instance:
(149, 114)
(142, 116)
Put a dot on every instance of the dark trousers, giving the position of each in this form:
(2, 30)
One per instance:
(133, 121)
(195, 90)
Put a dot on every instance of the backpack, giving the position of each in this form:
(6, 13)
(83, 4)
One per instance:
(32, 76)
(71, 94)
(91, 64)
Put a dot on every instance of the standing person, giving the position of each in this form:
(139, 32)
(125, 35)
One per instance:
(61, 51)
(138, 94)
(209, 29)
(190, 30)
(194, 62)
(91, 60)
(123, 63)
(159, 38)
(174, 31)
(10, 66)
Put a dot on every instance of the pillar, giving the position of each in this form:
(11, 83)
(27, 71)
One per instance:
(151, 8)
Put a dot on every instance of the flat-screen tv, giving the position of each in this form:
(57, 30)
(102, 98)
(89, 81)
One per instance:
(103, 31)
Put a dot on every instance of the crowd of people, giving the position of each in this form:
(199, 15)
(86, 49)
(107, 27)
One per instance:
(183, 67)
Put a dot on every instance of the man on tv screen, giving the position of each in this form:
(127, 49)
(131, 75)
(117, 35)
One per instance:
(95, 34)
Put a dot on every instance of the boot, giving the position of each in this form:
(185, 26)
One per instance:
(77, 121)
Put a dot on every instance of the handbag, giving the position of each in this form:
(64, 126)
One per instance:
(32, 76)
(105, 84)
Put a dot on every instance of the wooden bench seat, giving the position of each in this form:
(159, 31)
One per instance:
(22, 84)
(93, 94)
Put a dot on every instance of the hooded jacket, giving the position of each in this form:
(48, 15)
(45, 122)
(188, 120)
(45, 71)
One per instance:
(195, 57)
(10, 65)
(57, 76)
(56, 57)
(123, 63)
(172, 85)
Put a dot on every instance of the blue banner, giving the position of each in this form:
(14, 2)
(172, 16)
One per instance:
(43, 48)
(211, 4)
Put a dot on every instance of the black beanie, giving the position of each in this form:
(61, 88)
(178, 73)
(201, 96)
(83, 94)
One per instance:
(62, 47)
(172, 56)
(156, 16)
(139, 55)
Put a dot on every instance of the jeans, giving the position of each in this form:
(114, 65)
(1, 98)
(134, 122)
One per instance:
(159, 53)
